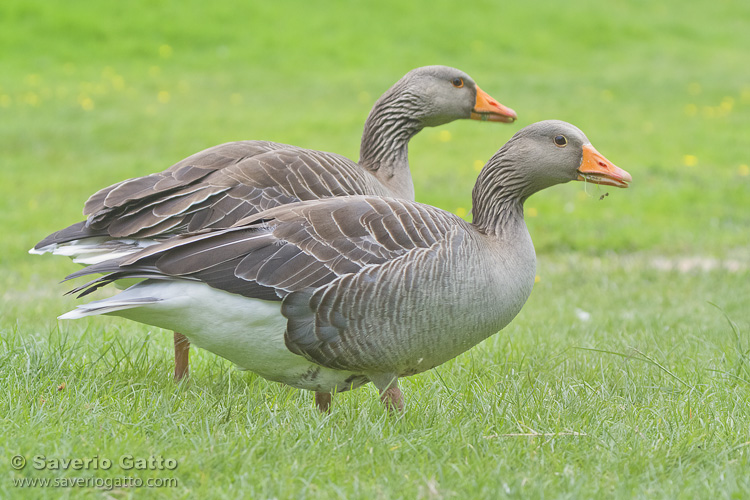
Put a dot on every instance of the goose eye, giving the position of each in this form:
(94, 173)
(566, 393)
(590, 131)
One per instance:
(458, 82)
(561, 141)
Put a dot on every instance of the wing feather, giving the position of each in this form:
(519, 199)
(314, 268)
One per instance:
(219, 187)
(329, 260)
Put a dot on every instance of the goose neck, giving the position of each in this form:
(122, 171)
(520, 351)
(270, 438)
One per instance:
(498, 198)
(384, 151)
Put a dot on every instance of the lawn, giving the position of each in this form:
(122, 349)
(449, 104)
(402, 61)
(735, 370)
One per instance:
(627, 374)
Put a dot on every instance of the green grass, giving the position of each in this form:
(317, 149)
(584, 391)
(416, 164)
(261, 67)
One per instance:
(619, 378)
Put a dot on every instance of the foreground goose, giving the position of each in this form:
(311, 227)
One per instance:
(327, 295)
(219, 186)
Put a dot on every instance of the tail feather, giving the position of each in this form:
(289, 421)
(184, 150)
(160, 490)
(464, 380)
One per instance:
(120, 279)
(77, 231)
(92, 250)
(107, 306)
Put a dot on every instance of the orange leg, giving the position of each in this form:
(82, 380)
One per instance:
(181, 356)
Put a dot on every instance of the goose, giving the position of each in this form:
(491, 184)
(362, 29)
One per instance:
(223, 184)
(330, 294)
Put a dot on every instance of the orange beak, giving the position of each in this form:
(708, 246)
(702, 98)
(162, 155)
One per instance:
(488, 109)
(595, 168)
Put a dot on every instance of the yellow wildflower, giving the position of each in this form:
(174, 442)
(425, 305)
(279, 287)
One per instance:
(86, 103)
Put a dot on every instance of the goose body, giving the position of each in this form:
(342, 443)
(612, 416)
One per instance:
(328, 294)
(221, 185)
(395, 290)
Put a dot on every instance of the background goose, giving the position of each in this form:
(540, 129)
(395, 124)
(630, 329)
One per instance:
(221, 185)
(326, 295)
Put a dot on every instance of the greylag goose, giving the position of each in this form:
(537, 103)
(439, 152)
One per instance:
(219, 186)
(329, 294)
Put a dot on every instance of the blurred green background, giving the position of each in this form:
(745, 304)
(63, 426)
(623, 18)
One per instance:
(94, 92)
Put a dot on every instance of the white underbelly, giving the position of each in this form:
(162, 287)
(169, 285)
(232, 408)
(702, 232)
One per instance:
(248, 332)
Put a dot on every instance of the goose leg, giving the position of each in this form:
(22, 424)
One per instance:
(181, 356)
(323, 401)
(390, 394)
(393, 399)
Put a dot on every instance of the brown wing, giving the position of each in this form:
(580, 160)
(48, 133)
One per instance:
(333, 325)
(294, 247)
(170, 203)
(179, 175)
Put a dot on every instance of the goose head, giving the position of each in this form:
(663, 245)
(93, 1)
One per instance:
(535, 158)
(424, 97)
(554, 152)
(441, 94)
